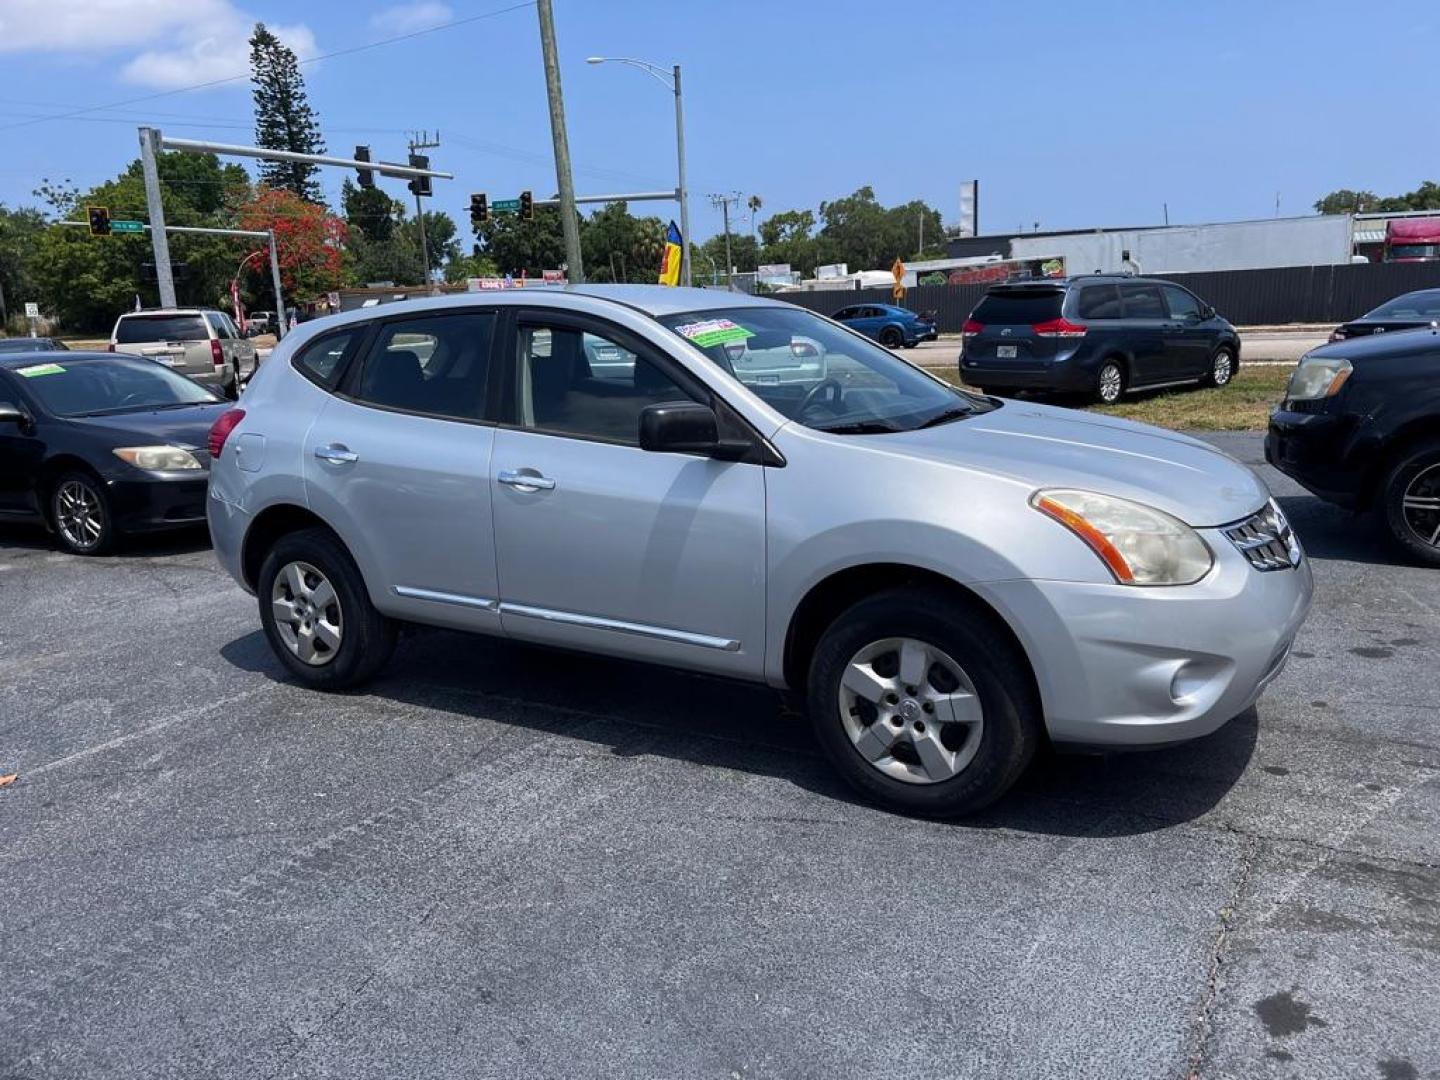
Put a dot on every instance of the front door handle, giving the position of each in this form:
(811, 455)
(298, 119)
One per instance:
(522, 481)
(336, 454)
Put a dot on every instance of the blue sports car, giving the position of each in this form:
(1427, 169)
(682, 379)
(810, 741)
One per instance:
(894, 327)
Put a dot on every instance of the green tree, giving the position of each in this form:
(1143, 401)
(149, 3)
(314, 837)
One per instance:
(468, 266)
(441, 239)
(618, 246)
(1345, 201)
(708, 260)
(20, 230)
(787, 238)
(530, 246)
(283, 117)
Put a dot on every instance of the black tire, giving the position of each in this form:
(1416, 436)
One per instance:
(995, 666)
(64, 510)
(1416, 472)
(1222, 368)
(367, 637)
(891, 338)
(1109, 392)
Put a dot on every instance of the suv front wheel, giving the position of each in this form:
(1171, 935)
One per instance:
(922, 705)
(317, 612)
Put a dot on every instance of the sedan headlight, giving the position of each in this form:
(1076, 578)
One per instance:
(158, 458)
(1318, 377)
(1139, 545)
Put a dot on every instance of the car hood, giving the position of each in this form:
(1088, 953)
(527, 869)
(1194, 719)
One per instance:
(188, 427)
(1050, 447)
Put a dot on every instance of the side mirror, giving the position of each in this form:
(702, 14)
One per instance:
(679, 427)
(13, 414)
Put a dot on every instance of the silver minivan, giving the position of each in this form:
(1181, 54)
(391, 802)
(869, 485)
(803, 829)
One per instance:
(948, 579)
(202, 343)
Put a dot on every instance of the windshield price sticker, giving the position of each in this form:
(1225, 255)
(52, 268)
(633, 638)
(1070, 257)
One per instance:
(713, 332)
(40, 369)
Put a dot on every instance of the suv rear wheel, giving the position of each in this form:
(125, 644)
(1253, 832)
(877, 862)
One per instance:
(1110, 383)
(1411, 501)
(922, 705)
(317, 612)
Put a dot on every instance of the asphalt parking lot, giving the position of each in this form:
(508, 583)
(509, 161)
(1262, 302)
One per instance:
(506, 862)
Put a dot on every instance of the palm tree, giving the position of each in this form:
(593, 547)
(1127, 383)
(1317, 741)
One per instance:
(754, 203)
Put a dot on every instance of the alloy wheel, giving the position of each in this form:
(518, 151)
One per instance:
(1223, 368)
(1420, 505)
(1111, 383)
(79, 515)
(910, 710)
(307, 613)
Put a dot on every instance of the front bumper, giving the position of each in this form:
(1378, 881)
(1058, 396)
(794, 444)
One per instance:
(149, 505)
(1310, 449)
(1121, 666)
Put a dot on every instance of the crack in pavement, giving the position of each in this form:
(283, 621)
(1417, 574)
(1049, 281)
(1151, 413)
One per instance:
(1201, 1022)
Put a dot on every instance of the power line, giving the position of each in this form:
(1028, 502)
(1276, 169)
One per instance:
(237, 78)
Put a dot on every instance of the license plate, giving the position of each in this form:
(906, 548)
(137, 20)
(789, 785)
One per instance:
(1006, 352)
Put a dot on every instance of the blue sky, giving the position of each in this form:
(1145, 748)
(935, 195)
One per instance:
(1070, 114)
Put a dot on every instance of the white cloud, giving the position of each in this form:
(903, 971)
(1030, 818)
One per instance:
(407, 18)
(184, 41)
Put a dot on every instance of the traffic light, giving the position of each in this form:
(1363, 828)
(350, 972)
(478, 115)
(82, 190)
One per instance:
(527, 207)
(420, 185)
(365, 177)
(479, 209)
(99, 220)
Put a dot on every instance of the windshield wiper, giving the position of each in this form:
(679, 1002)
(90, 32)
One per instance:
(861, 427)
(947, 416)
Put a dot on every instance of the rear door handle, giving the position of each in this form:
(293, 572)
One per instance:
(336, 454)
(521, 481)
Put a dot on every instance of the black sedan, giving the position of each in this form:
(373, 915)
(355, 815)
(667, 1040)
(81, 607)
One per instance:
(1410, 311)
(95, 445)
(1360, 427)
(32, 344)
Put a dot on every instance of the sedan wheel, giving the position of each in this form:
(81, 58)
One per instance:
(307, 613)
(80, 514)
(891, 338)
(911, 711)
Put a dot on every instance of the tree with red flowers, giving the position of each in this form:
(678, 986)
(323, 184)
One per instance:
(309, 238)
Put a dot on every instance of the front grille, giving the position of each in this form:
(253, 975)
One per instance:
(1266, 539)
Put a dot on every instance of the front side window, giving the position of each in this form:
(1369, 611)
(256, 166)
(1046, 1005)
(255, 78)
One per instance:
(1182, 304)
(118, 384)
(845, 313)
(819, 374)
(576, 382)
(1142, 302)
(438, 365)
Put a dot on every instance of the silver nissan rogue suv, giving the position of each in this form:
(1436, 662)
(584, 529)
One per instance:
(948, 578)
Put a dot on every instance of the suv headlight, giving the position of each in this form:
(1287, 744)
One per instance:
(1318, 377)
(158, 458)
(1139, 544)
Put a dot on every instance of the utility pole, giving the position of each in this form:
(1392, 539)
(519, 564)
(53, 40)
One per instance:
(569, 218)
(723, 202)
(149, 147)
(422, 141)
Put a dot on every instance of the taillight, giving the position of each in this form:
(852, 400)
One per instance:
(110, 347)
(802, 349)
(1058, 328)
(971, 328)
(220, 430)
(1338, 334)
(217, 354)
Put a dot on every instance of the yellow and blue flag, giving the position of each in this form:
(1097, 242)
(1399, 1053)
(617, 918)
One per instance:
(670, 262)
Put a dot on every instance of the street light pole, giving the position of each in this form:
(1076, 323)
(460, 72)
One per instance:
(682, 192)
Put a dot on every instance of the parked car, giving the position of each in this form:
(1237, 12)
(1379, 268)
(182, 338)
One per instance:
(1099, 335)
(894, 327)
(1360, 427)
(261, 322)
(32, 344)
(1410, 311)
(199, 342)
(949, 579)
(94, 445)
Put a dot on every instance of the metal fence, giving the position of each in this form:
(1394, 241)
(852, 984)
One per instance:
(1288, 294)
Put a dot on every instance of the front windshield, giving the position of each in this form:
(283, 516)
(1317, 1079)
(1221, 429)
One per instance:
(1419, 306)
(821, 375)
(117, 384)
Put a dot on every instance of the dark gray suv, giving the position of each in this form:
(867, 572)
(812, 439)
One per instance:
(1099, 335)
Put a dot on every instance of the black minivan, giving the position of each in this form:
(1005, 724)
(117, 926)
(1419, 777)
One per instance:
(1100, 334)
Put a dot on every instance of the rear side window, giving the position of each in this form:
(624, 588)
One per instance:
(438, 365)
(1098, 302)
(1019, 307)
(138, 328)
(1142, 302)
(220, 325)
(323, 359)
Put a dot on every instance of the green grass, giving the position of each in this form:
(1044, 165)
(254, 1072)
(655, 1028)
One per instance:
(1244, 405)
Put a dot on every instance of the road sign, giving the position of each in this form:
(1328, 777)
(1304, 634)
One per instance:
(32, 309)
(127, 226)
(505, 206)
